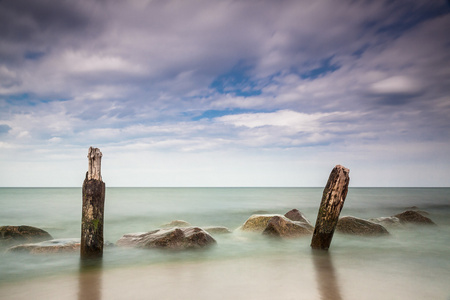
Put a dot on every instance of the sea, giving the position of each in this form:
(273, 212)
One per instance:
(413, 262)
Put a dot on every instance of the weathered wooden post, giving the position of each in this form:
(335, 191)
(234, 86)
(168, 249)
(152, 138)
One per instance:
(93, 208)
(332, 202)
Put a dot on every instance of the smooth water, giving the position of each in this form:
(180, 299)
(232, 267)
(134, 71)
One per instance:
(415, 258)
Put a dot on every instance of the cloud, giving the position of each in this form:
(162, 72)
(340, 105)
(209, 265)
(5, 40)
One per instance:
(401, 85)
(239, 76)
(283, 118)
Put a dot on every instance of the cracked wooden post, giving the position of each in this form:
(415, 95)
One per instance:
(93, 208)
(332, 203)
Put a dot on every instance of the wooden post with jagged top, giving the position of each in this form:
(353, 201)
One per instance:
(332, 203)
(93, 208)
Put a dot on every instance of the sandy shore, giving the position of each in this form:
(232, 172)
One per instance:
(312, 277)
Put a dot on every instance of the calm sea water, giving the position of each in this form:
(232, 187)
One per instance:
(420, 256)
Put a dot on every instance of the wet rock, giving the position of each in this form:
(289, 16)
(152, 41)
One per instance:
(257, 223)
(176, 223)
(108, 244)
(296, 215)
(172, 238)
(387, 221)
(417, 209)
(414, 217)
(216, 229)
(280, 226)
(10, 235)
(356, 226)
(51, 246)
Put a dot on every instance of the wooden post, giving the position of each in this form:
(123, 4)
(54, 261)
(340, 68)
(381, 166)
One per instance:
(332, 202)
(93, 208)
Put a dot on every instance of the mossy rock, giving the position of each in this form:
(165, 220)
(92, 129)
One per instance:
(414, 217)
(280, 226)
(10, 235)
(257, 223)
(356, 226)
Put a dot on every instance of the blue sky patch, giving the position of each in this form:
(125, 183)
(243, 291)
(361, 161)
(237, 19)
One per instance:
(211, 114)
(237, 81)
(33, 55)
(326, 67)
(4, 129)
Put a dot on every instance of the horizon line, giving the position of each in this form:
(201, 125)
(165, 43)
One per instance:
(69, 187)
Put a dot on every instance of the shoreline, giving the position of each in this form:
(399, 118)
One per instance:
(279, 277)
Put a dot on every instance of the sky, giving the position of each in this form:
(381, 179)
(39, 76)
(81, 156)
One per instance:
(225, 93)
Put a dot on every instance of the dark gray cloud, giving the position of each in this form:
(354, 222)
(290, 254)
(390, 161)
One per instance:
(181, 47)
(32, 29)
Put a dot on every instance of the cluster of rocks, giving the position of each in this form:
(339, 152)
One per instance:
(295, 224)
(292, 224)
(177, 235)
(180, 235)
(376, 226)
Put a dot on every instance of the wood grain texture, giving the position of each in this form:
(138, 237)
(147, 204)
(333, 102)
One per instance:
(331, 205)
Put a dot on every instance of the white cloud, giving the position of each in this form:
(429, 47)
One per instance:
(396, 85)
(284, 118)
(88, 62)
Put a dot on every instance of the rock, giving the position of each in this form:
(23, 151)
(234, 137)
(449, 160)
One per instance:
(386, 221)
(280, 226)
(356, 226)
(51, 246)
(296, 215)
(216, 229)
(108, 244)
(22, 234)
(416, 209)
(257, 223)
(176, 223)
(414, 217)
(172, 238)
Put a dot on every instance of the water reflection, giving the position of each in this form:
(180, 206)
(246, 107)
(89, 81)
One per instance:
(326, 276)
(90, 279)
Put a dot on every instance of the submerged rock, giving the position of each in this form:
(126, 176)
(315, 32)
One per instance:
(172, 238)
(176, 223)
(417, 209)
(51, 246)
(257, 223)
(387, 221)
(22, 234)
(280, 226)
(296, 215)
(216, 229)
(356, 226)
(414, 217)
